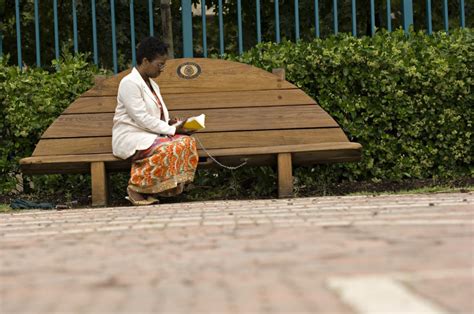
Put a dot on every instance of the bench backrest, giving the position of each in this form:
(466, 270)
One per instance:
(238, 99)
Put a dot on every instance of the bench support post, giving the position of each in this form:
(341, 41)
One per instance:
(280, 73)
(99, 184)
(285, 175)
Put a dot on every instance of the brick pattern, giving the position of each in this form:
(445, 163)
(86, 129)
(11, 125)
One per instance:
(234, 256)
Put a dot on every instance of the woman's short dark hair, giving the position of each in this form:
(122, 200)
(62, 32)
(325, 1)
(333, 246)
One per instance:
(150, 48)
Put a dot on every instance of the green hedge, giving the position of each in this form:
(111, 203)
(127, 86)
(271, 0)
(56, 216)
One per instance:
(30, 100)
(407, 99)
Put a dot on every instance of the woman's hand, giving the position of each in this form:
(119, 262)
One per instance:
(180, 129)
(174, 120)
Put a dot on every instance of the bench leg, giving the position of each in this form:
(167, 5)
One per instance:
(285, 175)
(99, 184)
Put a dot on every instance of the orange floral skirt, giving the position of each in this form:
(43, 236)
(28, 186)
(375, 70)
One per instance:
(165, 166)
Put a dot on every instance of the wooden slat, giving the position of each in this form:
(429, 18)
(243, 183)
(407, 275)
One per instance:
(56, 168)
(271, 138)
(298, 158)
(73, 146)
(325, 157)
(218, 120)
(69, 159)
(101, 145)
(284, 97)
(80, 125)
(285, 149)
(264, 150)
(217, 76)
(92, 105)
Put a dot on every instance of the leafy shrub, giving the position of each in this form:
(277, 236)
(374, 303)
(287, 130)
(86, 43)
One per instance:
(407, 99)
(30, 100)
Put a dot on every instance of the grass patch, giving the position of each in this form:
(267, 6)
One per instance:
(4, 208)
(422, 190)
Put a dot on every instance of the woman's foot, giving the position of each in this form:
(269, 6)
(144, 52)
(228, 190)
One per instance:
(139, 199)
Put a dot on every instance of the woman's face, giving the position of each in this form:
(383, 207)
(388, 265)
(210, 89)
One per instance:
(155, 67)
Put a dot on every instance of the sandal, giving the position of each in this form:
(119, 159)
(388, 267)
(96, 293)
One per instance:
(153, 199)
(149, 201)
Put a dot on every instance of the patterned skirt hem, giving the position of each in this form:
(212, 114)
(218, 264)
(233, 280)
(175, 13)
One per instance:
(173, 182)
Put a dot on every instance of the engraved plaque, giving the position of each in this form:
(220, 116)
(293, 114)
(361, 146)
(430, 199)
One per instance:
(189, 70)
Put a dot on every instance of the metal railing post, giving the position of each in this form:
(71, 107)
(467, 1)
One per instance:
(372, 17)
(389, 16)
(354, 17)
(429, 23)
(94, 33)
(259, 24)
(407, 9)
(18, 32)
(297, 20)
(221, 28)
(277, 21)
(37, 35)
(150, 17)
(445, 16)
(316, 18)
(74, 26)
(187, 28)
(2, 14)
(239, 26)
(56, 30)
(114, 38)
(204, 27)
(132, 32)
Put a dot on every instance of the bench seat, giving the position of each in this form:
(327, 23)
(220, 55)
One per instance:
(326, 152)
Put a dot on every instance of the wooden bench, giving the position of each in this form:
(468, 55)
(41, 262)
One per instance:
(252, 115)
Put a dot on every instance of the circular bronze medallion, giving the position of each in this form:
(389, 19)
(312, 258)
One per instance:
(189, 70)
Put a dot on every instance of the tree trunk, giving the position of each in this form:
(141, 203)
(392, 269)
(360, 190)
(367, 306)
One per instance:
(166, 25)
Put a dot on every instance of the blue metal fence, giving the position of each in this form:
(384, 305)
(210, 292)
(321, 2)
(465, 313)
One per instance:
(187, 25)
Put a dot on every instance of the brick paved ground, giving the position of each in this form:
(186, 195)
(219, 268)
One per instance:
(323, 255)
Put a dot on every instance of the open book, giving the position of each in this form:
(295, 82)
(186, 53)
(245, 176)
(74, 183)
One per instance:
(195, 123)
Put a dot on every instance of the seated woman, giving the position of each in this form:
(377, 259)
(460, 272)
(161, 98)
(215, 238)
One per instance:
(164, 157)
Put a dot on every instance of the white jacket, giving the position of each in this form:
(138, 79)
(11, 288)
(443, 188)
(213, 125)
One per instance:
(137, 120)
